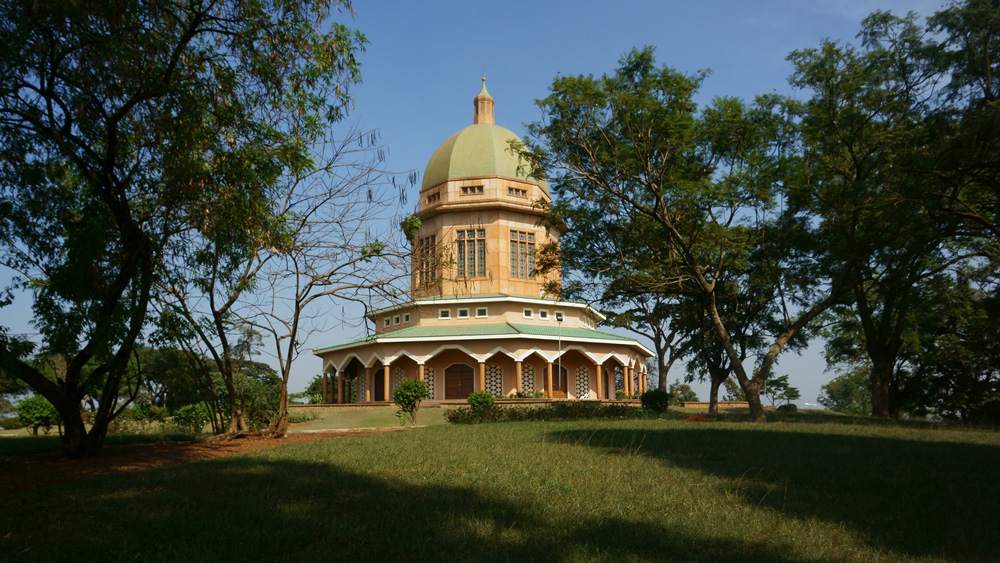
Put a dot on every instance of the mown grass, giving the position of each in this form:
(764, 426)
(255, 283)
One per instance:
(329, 419)
(632, 490)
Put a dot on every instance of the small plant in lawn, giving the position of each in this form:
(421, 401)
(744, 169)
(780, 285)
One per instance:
(788, 407)
(407, 397)
(37, 412)
(656, 400)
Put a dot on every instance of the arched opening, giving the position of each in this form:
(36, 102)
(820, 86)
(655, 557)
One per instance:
(378, 382)
(458, 380)
(560, 386)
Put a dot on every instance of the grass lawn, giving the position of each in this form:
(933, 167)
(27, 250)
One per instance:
(630, 490)
(329, 419)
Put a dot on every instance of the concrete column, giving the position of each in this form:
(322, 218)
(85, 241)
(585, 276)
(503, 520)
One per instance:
(482, 376)
(368, 385)
(340, 388)
(628, 381)
(420, 373)
(548, 380)
(597, 381)
(385, 390)
(517, 376)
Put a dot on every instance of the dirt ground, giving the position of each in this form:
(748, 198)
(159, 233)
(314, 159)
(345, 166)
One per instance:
(27, 472)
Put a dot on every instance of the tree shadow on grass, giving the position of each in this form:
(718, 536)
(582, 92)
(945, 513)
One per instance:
(920, 498)
(262, 509)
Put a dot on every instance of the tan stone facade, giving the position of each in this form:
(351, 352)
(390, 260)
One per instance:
(480, 319)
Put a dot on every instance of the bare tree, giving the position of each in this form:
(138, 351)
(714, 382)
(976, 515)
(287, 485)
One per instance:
(343, 244)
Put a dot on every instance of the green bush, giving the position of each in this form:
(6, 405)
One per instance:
(788, 407)
(563, 410)
(37, 412)
(11, 423)
(192, 418)
(407, 397)
(656, 400)
(148, 413)
(481, 403)
(299, 416)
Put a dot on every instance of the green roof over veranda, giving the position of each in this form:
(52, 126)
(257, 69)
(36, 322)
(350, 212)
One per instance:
(484, 331)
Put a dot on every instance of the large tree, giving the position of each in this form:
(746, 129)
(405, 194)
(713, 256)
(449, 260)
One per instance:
(125, 124)
(634, 145)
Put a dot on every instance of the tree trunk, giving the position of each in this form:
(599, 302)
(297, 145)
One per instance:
(278, 428)
(752, 390)
(713, 397)
(880, 381)
(74, 438)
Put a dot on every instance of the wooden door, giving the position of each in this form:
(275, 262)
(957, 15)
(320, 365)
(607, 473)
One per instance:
(458, 381)
(559, 383)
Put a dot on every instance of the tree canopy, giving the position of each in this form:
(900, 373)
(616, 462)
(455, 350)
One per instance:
(125, 127)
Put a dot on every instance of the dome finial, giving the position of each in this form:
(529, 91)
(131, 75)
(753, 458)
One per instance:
(484, 106)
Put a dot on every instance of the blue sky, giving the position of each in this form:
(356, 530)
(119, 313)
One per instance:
(424, 63)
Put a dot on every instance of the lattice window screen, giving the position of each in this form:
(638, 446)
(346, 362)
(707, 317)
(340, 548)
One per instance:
(362, 388)
(397, 378)
(582, 382)
(527, 378)
(429, 379)
(494, 380)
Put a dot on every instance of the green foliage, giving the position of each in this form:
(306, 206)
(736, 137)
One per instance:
(407, 397)
(788, 407)
(162, 129)
(777, 389)
(299, 416)
(656, 400)
(410, 225)
(849, 392)
(11, 423)
(526, 394)
(481, 404)
(562, 410)
(36, 412)
(139, 419)
(733, 390)
(682, 392)
(192, 418)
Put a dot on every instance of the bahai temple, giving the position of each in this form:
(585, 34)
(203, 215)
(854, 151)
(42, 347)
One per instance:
(480, 317)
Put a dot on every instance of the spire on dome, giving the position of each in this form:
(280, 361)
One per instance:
(484, 106)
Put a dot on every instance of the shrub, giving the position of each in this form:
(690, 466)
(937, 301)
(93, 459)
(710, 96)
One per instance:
(299, 416)
(789, 407)
(12, 423)
(407, 397)
(480, 403)
(563, 410)
(192, 418)
(656, 400)
(37, 412)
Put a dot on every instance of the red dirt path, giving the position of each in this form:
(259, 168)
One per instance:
(27, 472)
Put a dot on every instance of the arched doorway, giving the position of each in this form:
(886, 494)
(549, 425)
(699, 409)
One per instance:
(559, 383)
(458, 380)
(378, 384)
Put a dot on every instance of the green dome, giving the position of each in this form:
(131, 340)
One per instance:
(478, 150)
